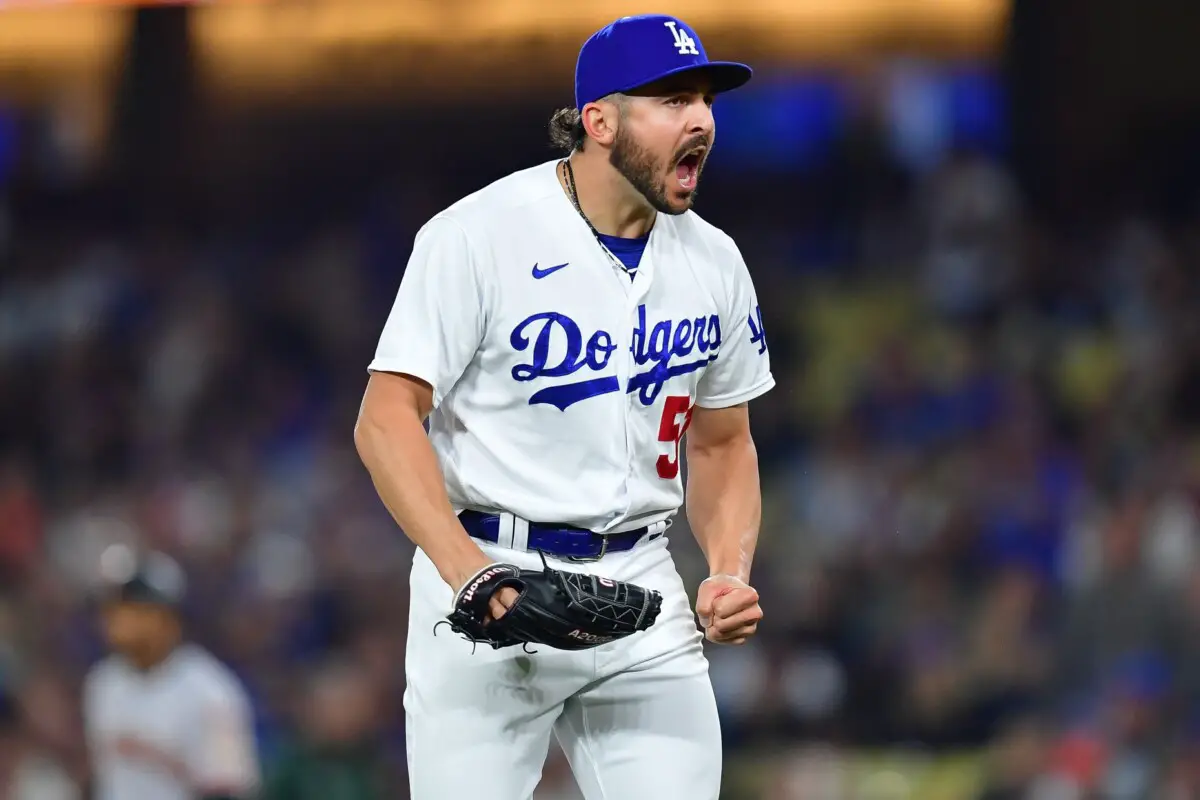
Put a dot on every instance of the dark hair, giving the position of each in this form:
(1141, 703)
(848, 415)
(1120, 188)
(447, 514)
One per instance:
(566, 130)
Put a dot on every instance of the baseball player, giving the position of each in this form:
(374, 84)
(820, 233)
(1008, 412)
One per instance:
(164, 719)
(559, 330)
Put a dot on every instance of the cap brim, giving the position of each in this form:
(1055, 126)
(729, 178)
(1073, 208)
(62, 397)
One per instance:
(723, 76)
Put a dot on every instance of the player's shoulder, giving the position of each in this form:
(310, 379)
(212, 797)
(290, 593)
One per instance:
(206, 674)
(105, 672)
(701, 230)
(716, 246)
(492, 207)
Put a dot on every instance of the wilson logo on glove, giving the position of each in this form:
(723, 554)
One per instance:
(563, 610)
(488, 574)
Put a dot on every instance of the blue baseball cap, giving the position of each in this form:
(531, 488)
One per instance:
(634, 51)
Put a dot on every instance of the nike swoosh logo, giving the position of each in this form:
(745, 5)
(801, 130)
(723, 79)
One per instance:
(541, 273)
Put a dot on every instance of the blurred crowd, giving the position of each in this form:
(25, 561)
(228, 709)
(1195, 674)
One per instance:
(981, 467)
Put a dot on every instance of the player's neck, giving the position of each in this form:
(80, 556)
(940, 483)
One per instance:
(612, 206)
(151, 658)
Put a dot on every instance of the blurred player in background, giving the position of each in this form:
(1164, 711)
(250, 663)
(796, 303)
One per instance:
(165, 720)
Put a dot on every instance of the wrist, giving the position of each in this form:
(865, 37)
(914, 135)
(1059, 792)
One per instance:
(460, 562)
(458, 574)
(731, 576)
(735, 566)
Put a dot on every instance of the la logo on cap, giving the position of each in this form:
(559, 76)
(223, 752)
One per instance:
(685, 43)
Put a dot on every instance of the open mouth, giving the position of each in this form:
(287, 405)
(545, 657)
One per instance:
(687, 169)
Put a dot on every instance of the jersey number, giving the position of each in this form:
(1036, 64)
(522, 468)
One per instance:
(671, 430)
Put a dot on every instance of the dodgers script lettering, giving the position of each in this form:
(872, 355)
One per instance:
(661, 347)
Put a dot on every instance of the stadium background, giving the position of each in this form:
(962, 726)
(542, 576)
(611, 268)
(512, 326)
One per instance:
(974, 226)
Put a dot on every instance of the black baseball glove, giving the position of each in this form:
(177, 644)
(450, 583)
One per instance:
(564, 610)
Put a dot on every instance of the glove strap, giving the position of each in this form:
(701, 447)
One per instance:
(489, 575)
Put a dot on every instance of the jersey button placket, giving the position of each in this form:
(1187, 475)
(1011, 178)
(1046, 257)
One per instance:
(638, 291)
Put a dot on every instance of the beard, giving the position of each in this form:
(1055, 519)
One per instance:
(644, 172)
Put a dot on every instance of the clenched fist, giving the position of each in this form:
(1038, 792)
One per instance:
(728, 609)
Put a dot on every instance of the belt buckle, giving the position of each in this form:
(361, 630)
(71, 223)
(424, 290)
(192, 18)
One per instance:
(592, 559)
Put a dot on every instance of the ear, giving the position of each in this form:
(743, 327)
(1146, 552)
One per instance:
(600, 120)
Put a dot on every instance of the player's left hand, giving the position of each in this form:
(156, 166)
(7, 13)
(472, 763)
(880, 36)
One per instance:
(728, 609)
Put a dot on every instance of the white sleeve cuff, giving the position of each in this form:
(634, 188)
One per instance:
(734, 398)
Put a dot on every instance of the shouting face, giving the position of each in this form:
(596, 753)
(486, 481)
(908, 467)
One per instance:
(664, 135)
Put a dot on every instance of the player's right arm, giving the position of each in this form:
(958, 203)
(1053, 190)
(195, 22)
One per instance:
(433, 331)
(393, 446)
(223, 754)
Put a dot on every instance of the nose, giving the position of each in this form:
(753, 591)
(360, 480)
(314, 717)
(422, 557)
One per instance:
(701, 121)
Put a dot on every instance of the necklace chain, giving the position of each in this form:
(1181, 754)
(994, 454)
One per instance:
(569, 173)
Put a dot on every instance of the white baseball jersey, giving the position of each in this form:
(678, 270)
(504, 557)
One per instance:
(561, 388)
(176, 732)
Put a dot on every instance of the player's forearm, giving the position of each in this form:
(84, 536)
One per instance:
(724, 504)
(397, 454)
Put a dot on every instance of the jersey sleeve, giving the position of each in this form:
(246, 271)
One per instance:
(742, 370)
(437, 320)
(223, 758)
